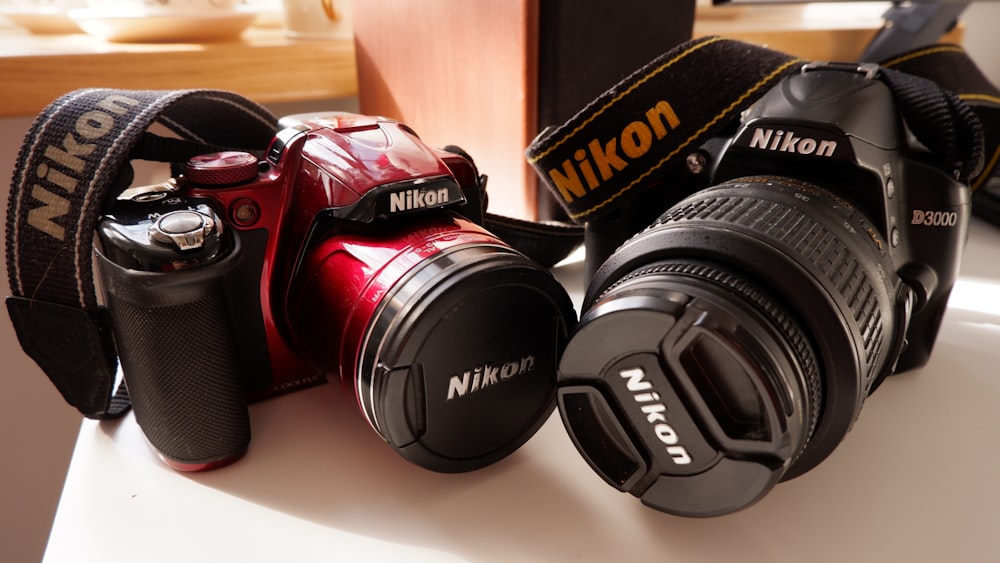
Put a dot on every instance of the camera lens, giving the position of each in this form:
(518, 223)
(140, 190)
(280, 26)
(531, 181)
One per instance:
(731, 344)
(446, 337)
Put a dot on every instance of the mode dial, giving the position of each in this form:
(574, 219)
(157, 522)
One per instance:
(222, 168)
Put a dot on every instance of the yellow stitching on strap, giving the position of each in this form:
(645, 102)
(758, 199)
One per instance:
(923, 53)
(621, 95)
(980, 98)
(981, 179)
(737, 103)
(989, 166)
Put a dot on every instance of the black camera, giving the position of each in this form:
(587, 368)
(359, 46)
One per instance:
(731, 342)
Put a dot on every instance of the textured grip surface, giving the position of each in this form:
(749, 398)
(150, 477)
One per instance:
(181, 371)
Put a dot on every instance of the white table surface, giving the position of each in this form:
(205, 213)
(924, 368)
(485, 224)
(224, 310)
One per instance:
(917, 479)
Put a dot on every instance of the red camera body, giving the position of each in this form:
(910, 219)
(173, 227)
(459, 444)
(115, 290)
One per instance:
(346, 166)
(351, 251)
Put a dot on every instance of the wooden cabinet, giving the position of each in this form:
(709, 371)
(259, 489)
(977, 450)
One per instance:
(262, 65)
(487, 75)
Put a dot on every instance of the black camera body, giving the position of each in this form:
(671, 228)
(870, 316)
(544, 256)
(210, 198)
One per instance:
(730, 342)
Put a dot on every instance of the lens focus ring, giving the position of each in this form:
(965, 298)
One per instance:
(815, 243)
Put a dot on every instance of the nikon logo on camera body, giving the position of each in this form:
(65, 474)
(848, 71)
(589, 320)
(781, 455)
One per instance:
(65, 164)
(417, 198)
(601, 159)
(655, 412)
(487, 375)
(786, 141)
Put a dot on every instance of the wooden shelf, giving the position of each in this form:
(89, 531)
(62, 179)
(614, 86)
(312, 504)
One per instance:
(822, 32)
(262, 65)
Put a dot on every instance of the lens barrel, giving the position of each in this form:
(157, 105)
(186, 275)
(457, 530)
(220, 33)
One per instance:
(730, 345)
(447, 338)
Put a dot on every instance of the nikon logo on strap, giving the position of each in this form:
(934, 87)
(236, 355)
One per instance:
(63, 165)
(613, 155)
(620, 141)
(74, 157)
(641, 130)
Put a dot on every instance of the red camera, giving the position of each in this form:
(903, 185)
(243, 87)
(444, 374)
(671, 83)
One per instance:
(351, 251)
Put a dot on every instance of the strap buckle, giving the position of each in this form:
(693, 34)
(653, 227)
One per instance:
(868, 70)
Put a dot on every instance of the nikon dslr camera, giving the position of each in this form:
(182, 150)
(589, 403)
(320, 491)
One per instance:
(351, 251)
(731, 343)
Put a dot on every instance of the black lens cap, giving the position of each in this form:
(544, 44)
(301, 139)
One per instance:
(459, 366)
(677, 388)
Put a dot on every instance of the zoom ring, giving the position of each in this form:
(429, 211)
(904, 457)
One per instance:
(817, 245)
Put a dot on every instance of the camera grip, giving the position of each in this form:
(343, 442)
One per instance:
(179, 359)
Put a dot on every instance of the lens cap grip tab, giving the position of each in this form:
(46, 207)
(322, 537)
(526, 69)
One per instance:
(685, 410)
(459, 366)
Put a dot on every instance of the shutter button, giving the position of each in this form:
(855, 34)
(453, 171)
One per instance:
(184, 229)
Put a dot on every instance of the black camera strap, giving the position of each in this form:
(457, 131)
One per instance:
(951, 68)
(646, 125)
(75, 156)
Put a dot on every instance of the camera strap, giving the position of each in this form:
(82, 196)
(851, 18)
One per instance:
(76, 155)
(644, 127)
(951, 68)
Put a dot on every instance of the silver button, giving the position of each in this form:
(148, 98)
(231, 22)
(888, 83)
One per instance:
(184, 229)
